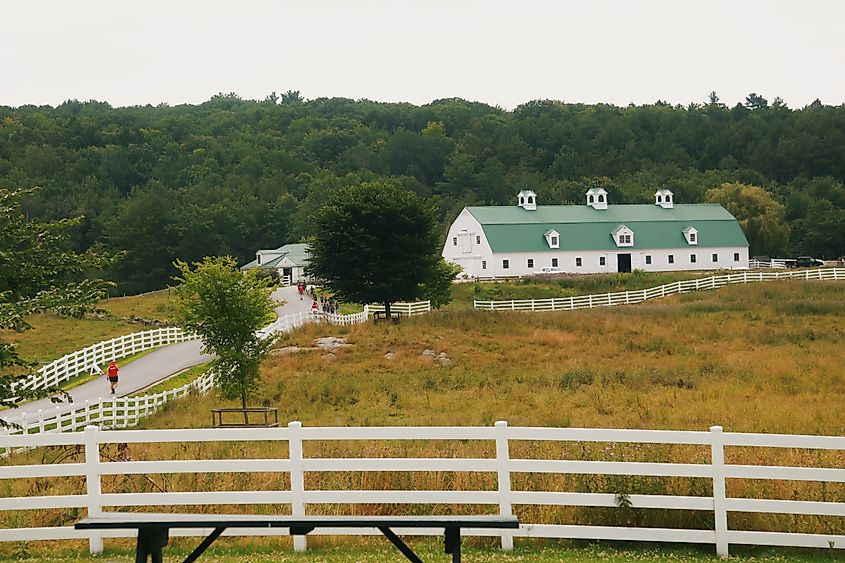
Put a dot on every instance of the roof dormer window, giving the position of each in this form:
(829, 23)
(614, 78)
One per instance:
(597, 198)
(691, 235)
(527, 200)
(552, 238)
(663, 198)
(623, 236)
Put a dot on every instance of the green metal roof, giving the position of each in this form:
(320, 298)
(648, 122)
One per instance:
(296, 253)
(513, 229)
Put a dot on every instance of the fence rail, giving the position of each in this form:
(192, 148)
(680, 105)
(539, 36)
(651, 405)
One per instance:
(632, 297)
(407, 309)
(89, 360)
(498, 462)
(125, 412)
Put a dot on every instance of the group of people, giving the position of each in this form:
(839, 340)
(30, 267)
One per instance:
(326, 305)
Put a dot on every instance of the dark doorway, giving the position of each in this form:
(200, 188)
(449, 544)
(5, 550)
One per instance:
(624, 262)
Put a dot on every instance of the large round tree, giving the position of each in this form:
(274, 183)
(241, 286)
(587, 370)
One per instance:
(377, 243)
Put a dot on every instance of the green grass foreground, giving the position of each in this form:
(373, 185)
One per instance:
(431, 551)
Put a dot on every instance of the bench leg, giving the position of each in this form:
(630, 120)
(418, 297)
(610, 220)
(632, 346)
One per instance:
(453, 543)
(150, 542)
(400, 545)
(204, 545)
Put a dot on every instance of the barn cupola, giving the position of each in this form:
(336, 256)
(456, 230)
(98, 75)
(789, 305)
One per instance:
(664, 198)
(527, 200)
(597, 198)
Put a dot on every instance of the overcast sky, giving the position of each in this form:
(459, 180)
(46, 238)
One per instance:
(498, 52)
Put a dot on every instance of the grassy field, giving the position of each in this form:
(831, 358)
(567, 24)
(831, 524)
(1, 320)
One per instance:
(52, 336)
(563, 285)
(764, 357)
(344, 551)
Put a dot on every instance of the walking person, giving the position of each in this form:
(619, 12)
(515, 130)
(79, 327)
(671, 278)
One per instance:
(301, 287)
(112, 375)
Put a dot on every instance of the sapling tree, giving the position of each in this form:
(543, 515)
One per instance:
(226, 308)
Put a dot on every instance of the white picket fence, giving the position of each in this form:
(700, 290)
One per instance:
(88, 360)
(503, 496)
(778, 263)
(631, 297)
(407, 309)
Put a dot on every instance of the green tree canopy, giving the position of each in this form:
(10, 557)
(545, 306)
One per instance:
(226, 308)
(759, 215)
(38, 274)
(377, 243)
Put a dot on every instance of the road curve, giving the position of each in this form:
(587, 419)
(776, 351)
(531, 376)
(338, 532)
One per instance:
(151, 368)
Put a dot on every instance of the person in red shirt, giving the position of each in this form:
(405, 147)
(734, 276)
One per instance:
(112, 375)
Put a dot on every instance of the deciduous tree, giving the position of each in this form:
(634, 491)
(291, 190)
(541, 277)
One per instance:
(376, 243)
(759, 215)
(38, 274)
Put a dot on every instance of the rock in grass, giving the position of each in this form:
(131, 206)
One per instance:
(427, 354)
(389, 356)
(285, 351)
(331, 343)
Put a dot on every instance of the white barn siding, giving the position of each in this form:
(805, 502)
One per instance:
(467, 246)
(591, 263)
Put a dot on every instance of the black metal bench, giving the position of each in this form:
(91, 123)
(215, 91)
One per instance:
(154, 529)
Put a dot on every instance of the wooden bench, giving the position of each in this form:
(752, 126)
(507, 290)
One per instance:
(154, 529)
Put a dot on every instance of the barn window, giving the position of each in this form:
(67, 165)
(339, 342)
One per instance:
(554, 262)
(715, 257)
(671, 258)
(578, 261)
(505, 264)
(692, 236)
(484, 264)
(530, 262)
(601, 261)
(648, 259)
(692, 258)
(736, 256)
(554, 241)
(454, 241)
(477, 239)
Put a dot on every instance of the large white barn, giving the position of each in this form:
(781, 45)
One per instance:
(495, 241)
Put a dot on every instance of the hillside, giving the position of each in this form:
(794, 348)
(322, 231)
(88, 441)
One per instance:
(230, 176)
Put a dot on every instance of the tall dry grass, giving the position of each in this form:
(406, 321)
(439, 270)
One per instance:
(755, 358)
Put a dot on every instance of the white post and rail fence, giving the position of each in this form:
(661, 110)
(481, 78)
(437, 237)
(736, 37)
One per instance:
(708, 465)
(638, 296)
(125, 412)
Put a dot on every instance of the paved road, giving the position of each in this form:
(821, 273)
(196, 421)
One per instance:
(152, 368)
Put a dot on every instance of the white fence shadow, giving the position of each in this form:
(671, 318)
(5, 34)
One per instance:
(503, 498)
(631, 297)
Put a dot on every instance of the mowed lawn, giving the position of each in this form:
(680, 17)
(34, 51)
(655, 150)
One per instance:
(52, 337)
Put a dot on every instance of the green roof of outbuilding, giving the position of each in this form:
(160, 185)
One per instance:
(513, 229)
(296, 253)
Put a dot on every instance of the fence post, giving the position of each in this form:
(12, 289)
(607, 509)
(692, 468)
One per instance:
(717, 450)
(297, 478)
(503, 470)
(92, 484)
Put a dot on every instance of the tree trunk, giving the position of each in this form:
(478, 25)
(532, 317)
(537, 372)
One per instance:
(387, 311)
(243, 403)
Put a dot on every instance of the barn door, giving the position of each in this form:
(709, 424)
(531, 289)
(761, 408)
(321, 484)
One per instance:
(623, 262)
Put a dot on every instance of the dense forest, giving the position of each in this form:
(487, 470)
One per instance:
(230, 176)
